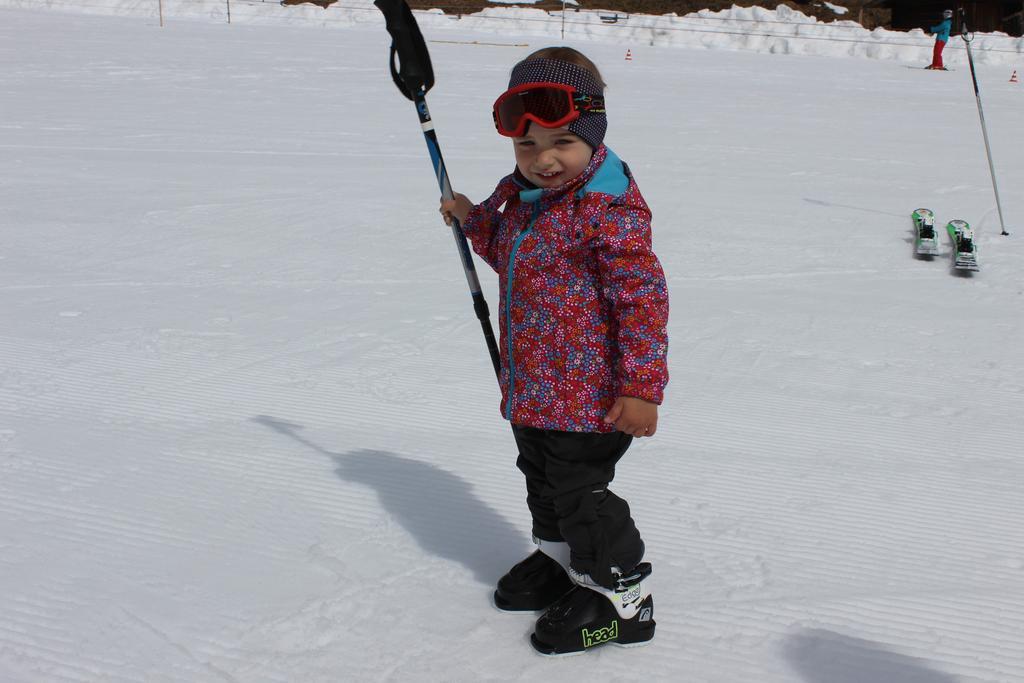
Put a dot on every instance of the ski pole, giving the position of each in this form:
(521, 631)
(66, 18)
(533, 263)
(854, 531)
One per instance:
(968, 37)
(414, 76)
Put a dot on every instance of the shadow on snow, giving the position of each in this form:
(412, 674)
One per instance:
(438, 508)
(822, 656)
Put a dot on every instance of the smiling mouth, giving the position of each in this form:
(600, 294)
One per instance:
(549, 175)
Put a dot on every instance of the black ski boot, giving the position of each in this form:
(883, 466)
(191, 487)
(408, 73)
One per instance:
(532, 585)
(590, 615)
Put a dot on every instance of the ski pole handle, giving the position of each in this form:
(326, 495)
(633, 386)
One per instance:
(414, 74)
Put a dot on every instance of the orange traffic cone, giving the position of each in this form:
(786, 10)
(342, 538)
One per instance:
(1013, 78)
(629, 56)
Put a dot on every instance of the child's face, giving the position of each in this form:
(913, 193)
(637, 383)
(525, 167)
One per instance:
(549, 157)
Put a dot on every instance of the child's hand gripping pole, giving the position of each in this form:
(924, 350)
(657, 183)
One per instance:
(414, 76)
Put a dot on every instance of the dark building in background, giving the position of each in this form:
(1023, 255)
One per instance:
(982, 15)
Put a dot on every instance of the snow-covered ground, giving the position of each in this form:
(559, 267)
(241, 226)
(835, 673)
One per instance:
(248, 428)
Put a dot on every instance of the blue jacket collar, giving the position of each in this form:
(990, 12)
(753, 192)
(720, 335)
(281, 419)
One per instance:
(605, 173)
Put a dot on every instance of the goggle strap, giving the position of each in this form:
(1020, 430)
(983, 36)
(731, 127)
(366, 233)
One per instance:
(588, 103)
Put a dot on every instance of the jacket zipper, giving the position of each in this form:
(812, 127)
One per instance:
(508, 308)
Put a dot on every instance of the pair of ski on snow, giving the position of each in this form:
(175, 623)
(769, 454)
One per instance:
(961, 235)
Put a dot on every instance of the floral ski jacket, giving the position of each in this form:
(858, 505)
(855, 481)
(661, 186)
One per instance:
(583, 299)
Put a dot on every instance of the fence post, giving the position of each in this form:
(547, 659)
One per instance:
(229, 11)
(161, 8)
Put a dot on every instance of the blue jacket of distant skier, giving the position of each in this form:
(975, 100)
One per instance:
(941, 31)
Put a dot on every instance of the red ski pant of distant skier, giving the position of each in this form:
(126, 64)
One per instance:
(937, 54)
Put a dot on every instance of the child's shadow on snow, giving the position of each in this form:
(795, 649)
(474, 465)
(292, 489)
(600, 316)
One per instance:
(821, 656)
(438, 508)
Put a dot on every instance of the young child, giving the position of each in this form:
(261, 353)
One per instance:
(941, 32)
(583, 311)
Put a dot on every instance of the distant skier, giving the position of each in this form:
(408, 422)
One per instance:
(941, 32)
(583, 352)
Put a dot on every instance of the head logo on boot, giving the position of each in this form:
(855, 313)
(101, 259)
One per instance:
(601, 635)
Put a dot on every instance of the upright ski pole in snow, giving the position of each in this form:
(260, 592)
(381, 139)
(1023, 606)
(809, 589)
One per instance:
(414, 76)
(968, 37)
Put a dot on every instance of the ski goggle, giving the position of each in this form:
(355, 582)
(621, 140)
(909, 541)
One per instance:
(551, 105)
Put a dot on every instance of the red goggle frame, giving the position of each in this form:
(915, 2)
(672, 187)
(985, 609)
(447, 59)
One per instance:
(551, 105)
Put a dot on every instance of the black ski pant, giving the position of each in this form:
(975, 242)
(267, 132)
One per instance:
(567, 476)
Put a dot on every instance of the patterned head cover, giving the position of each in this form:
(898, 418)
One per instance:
(590, 126)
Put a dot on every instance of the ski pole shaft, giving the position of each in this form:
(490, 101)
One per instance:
(414, 76)
(981, 115)
(483, 313)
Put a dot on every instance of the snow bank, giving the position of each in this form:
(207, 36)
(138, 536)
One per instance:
(756, 29)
